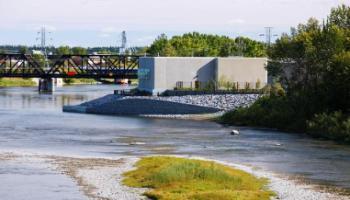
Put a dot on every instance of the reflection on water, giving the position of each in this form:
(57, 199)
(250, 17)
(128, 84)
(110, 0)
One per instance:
(34, 122)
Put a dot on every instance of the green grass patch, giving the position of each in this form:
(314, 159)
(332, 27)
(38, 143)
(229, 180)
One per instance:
(173, 178)
(16, 82)
(79, 81)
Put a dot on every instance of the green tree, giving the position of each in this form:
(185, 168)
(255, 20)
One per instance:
(340, 16)
(158, 45)
(63, 50)
(79, 51)
(23, 50)
(313, 65)
(196, 44)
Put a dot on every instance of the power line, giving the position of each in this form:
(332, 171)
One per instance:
(268, 35)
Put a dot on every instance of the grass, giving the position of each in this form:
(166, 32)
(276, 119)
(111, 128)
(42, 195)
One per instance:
(173, 178)
(79, 81)
(16, 82)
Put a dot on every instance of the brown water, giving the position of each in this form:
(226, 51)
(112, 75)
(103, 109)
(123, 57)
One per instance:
(32, 122)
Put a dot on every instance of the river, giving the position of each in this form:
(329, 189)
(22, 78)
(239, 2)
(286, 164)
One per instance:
(34, 123)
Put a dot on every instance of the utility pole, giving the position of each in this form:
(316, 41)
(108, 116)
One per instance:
(268, 35)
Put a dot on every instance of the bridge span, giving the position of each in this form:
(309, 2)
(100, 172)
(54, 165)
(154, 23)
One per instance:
(68, 66)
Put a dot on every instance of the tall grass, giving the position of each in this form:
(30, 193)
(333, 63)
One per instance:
(179, 178)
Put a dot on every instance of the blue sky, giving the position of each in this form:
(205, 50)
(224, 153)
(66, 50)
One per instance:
(100, 22)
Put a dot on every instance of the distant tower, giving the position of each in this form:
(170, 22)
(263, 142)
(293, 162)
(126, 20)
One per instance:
(42, 36)
(122, 49)
(268, 35)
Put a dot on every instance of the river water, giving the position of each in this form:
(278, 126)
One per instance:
(34, 123)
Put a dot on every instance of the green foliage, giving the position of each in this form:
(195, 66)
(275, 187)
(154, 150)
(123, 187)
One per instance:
(177, 178)
(196, 44)
(225, 84)
(258, 84)
(313, 65)
(66, 50)
(210, 86)
(79, 51)
(268, 111)
(335, 126)
(340, 16)
(40, 59)
(23, 50)
(16, 82)
(82, 81)
(63, 50)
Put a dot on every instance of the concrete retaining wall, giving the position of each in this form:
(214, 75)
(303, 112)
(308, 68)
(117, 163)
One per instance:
(242, 70)
(158, 74)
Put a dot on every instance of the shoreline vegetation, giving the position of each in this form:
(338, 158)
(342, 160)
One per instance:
(311, 68)
(16, 82)
(28, 82)
(81, 81)
(174, 178)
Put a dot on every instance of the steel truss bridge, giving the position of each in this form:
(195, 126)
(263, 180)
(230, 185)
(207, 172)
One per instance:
(69, 66)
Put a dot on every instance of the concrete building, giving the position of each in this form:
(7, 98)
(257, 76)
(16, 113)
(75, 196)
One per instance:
(158, 74)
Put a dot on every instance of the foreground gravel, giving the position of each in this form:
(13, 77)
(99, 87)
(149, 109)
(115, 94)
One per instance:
(101, 178)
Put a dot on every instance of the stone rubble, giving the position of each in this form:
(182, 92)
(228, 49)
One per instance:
(223, 102)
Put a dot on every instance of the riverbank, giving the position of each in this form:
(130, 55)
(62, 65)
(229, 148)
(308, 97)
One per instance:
(101, 178)
(190, 106)
(16, 82)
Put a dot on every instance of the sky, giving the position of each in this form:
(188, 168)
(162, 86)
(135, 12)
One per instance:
(91, 23)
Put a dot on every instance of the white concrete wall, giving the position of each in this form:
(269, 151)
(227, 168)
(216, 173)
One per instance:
(164, 72)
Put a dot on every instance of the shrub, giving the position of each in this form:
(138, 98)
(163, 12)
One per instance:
(268, 111)
(258, 84)
(335, 126)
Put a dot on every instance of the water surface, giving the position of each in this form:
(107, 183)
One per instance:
(32, 122)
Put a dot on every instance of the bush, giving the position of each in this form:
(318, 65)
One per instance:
(334, 126)
(268, 111)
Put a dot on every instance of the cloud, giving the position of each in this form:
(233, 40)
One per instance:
(109, 29)
(236, 21)
(104, 35)
(107, 32)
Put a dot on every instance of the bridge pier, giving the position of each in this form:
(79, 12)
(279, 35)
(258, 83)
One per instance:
(47, 85)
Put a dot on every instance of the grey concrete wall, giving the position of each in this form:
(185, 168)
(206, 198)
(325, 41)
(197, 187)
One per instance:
(165, 72)
(242, 70)
(188, 70)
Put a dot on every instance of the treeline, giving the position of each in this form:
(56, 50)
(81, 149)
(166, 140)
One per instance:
(196, 44)
(68, 50)
(311, 66)
(186, 45)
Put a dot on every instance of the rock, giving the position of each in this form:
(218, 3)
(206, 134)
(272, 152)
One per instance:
(235, 132)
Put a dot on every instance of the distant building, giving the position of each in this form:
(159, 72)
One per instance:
(158, 74)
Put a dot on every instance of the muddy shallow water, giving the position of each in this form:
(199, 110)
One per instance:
(34, 123)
